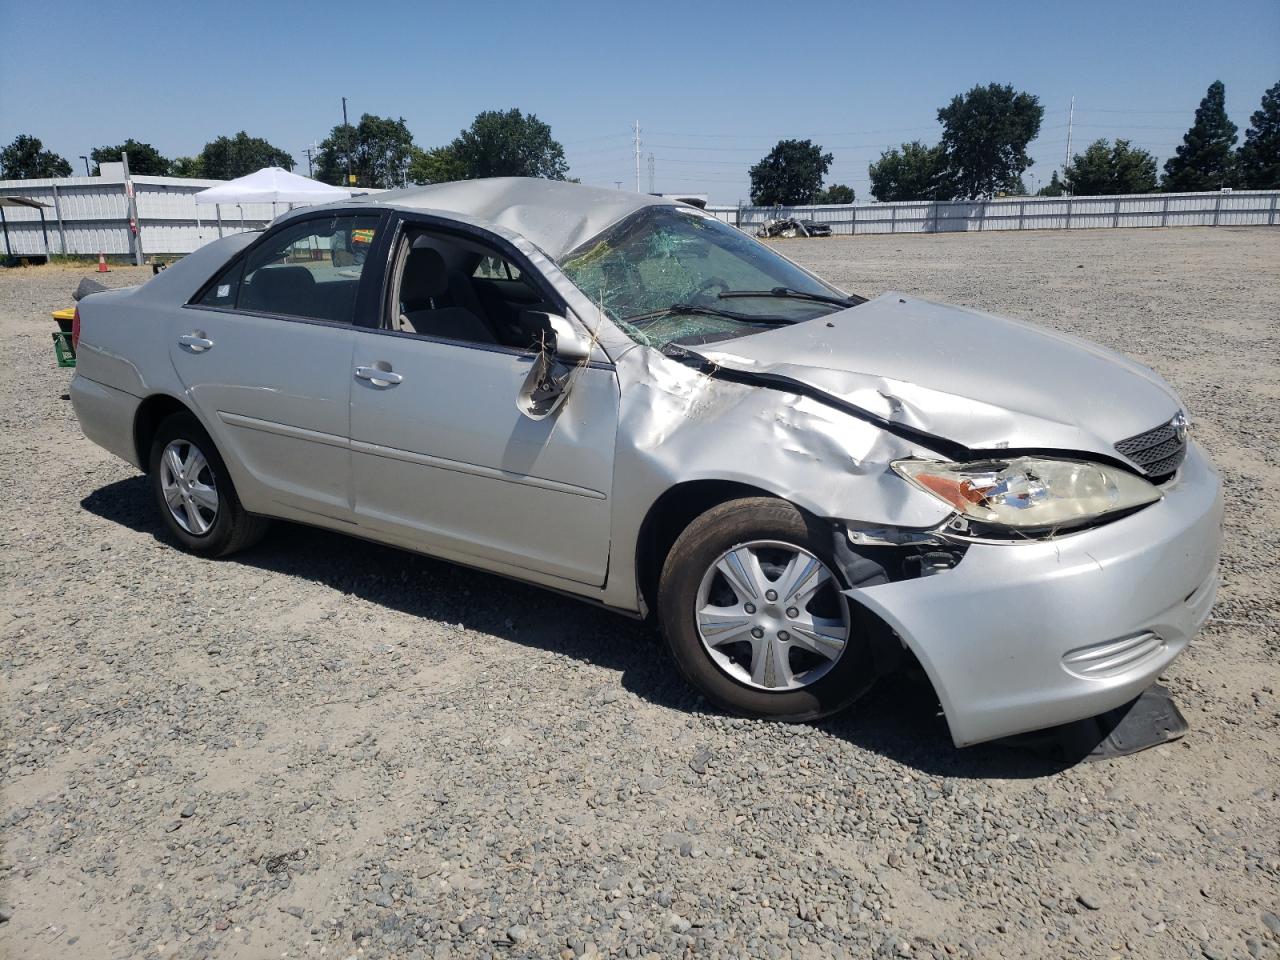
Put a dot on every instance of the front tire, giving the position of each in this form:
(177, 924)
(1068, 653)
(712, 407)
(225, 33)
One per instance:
(750, 605)
(194, 493)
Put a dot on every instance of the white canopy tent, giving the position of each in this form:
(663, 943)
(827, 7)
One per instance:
(269, 185)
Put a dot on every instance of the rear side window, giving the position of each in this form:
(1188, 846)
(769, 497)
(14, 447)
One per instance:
(308, 269)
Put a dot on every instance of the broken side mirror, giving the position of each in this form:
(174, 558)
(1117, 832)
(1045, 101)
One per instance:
(566, 341)
(561, 350)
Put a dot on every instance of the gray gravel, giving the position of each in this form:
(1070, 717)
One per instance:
(327, 748)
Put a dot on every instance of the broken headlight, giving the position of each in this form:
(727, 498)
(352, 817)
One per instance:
(1030, 492)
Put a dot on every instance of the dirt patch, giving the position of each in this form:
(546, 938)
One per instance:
(323, 747)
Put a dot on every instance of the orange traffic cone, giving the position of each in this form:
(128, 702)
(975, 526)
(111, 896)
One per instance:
(102, 263)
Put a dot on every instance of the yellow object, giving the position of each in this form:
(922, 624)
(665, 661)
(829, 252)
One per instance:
(67, 313)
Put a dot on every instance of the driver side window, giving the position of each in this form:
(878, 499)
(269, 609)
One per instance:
(455, 288)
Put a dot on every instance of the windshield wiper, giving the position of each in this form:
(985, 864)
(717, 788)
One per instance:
(697, 309)
(788, 294)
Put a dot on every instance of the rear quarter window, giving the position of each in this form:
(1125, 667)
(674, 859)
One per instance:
(223, 291)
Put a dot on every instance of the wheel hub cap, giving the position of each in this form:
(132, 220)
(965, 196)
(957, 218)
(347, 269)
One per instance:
(771, 615)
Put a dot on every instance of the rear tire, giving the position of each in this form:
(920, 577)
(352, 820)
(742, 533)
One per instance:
(753, 649)
(194, 493)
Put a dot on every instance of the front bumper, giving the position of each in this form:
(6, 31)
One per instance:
(1023, 636)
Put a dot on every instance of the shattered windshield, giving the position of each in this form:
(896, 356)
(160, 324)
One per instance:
(673, 275)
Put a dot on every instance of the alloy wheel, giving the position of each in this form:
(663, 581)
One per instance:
(190, 487)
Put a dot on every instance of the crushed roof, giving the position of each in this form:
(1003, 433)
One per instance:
(556, 215)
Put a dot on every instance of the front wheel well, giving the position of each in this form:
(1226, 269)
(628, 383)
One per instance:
(679, 506)
(151, 413)
(666, 520)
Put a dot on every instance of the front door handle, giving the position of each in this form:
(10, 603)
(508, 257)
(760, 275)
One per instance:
(196, 342)
(380, 374)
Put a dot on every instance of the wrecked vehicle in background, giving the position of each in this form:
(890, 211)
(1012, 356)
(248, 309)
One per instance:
(791, 227)
(626, 400)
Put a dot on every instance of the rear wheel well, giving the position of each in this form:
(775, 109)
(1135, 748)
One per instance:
(151, 413)
(666, 520)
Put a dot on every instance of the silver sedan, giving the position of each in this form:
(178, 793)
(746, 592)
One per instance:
(624, 399)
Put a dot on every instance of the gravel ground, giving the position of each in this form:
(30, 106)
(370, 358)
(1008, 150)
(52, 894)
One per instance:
(327, 748)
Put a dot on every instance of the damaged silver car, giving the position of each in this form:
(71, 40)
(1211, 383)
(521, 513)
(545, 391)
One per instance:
(624, 399)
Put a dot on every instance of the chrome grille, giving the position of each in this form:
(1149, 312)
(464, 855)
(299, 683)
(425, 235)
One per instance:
(1158, 452)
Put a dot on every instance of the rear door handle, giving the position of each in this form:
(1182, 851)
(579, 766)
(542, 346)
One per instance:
(378, 376)
(196, 342)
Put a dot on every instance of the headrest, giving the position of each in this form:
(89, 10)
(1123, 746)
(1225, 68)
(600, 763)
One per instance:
(425, 275)
(272, 286)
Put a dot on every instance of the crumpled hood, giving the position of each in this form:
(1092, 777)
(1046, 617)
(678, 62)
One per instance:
(974, 378)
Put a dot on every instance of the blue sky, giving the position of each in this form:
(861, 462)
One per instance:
(713, 85)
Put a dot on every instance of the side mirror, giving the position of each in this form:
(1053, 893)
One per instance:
(566, 342)
(564, 348)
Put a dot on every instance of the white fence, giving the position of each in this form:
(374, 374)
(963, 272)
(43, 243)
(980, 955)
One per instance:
(89, 215)
(1220, 209)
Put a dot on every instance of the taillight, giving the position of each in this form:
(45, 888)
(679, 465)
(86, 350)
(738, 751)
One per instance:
(75, 330)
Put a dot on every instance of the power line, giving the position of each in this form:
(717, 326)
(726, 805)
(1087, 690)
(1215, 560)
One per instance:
(1126, 126)
(603, 136)
(1101, 110)
(728, 161)
(591, 153)
(843, 133)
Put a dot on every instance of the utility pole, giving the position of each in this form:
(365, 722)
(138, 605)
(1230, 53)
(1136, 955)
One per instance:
(1071, 116)
(346, 127)
(637, 143)
(618, 183)
(308, 151)
(86, 165)
(135, 228)
(651, 190)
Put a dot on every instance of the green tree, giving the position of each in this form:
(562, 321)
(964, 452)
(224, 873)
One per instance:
(229, 157)
(836, 193)
(1259, 156)
(506, 143)
(144, 159)
(1106, 170)
(1206, 159)
(1015, 188)
(336, 155)
(985, 133)
(27, 159)
(440, 165)
(791, 174)
(191, 167)
(379, 149)
(915, 172)
(1054, 188)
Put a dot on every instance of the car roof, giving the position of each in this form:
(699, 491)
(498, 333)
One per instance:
(556, 215)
